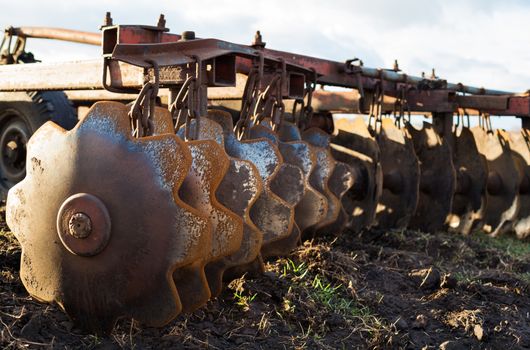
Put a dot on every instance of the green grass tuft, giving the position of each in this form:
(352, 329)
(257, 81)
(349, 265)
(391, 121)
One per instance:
(509, 245)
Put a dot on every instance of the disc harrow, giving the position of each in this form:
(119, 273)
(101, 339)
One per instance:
(144, 210)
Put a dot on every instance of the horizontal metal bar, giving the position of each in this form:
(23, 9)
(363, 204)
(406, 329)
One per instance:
(340, 102)
(440, 101)
(517, 105)
(77, 75)
(177, 53)
(75, 36)
(331, 72)
(397, 77)
(91, 96)
(480, 102)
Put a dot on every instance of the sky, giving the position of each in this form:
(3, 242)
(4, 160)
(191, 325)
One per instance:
(476, 42)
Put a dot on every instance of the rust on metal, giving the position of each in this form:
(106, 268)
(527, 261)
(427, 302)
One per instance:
(209, 166)
(340, 181)
(313, 206)
(238, 191)
(83, 224)
(288, 184)
(157, 207)
(80, 75)
(142, 288)
(271, 214)
(74, 36)
(318, 141)
(131, 44)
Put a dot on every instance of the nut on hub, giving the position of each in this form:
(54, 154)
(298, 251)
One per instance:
(80, 225)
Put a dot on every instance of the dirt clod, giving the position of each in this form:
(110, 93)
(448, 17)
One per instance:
(420, 322)
(401, 324)
(448, 281)
(426, 278)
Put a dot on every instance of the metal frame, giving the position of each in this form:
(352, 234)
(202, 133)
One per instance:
(130, 50)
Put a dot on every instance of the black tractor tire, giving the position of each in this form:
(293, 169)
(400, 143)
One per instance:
(21, 114)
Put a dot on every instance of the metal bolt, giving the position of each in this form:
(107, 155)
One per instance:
(433, 74)
(161, 21)
(396, 66)
(187, 35)
(258, 40)
(80, 225)
(108, 20)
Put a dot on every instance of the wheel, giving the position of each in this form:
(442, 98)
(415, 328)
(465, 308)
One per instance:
(21, 114)
(13, 139)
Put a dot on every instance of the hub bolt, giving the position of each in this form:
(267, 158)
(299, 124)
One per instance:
(80, 225)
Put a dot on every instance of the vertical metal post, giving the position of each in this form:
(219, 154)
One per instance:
(203, 99)
(443, 124)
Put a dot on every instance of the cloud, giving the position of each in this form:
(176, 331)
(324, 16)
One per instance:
(482, 43)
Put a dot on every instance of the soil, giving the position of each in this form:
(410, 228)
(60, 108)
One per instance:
(399, 289)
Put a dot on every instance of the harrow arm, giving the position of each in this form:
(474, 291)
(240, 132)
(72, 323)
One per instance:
(74, 36)
(437, 101)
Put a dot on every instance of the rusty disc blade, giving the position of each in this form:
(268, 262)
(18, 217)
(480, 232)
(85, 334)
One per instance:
(340, 182)
(209, 165)
(271, 214)
(313, 206)
(503, 179)
(469, 200)
(353, 144)
(401, 177)
(152, 232)
(437, 179)
(520, 145)
(238, 190)
(319, 143)
(289, 185)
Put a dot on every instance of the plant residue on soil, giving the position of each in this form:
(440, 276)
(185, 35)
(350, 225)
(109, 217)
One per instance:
(396, 289)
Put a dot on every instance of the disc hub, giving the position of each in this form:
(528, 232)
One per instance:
(83, 224)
